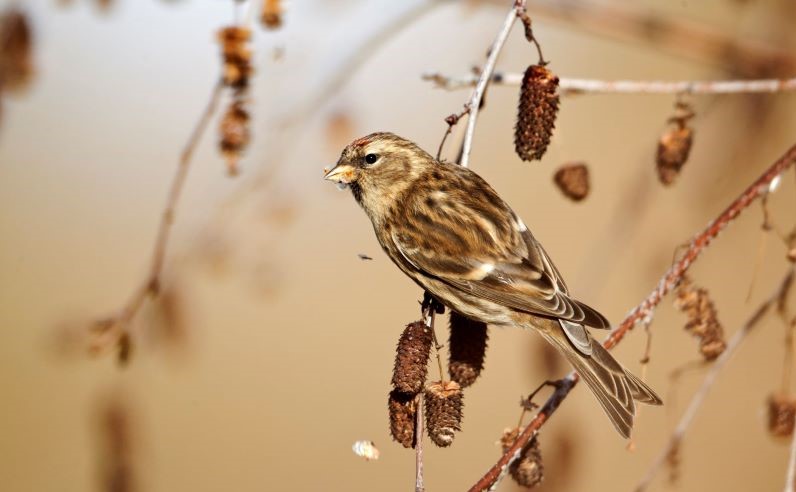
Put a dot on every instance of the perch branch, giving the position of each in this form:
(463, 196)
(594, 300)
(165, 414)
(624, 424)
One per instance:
(644, 310)
(112, 328)
(591, 86)
(473, 106)
(700, 396)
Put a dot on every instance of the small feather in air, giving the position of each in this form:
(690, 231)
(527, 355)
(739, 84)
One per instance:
(366, 449)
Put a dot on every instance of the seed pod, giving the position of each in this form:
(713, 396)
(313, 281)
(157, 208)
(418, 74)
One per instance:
(536, 112)
(16, 60)
(236, 56)
(781, 415)
(271, 16)
(411, 358)
(674, 146)
(703, 320)
(234, 130)
(402, 408)
(527, 470)
(443, 411)
(467, 347)
(573, 180)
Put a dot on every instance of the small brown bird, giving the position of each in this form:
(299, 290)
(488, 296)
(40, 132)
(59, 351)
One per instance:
(451, 233)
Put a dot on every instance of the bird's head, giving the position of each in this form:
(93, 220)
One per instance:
(378, 167)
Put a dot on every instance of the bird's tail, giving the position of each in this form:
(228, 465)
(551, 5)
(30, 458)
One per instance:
(615, 388)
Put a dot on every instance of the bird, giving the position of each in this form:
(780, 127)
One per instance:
(449, 231)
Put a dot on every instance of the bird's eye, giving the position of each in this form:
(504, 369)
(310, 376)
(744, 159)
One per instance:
(371, 158)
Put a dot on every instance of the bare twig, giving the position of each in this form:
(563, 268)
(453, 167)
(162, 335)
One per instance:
(790, 480)
(484, 78)
(710, 378)
(644, 310)
(419, 427)
(115, 327)
(591, 86)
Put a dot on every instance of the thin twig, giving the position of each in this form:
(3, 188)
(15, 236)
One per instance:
(419, 427)
(644, 310)
(113, 328)
(710, 378)
(592, 86)
(790, 480)
(485, 77)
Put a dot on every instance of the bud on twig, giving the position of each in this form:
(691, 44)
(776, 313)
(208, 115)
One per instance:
(536, 112)
(467, 347)
(675, 145)
(781, 415)
(702, 318)
(573, 180)
(527, 470)
(411, 358)
(402, 408)
(443, 411)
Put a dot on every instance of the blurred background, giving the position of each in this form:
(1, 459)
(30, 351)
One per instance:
(269, 350)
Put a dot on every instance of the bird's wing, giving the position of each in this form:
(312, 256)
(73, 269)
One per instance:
(485, 249)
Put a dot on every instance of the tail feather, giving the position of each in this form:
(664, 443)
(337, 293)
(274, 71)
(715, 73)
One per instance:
(615, 388)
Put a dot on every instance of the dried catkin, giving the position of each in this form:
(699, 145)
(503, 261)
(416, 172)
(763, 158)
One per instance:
(271, 16)
(674, 146)
(236, 56)
(402, 408)
(234, 133)
(443, 400)
(467, 348)
(527, 470)
(573, 180)
(411, 358)
(536, 112)
(16, 54)
(702, 318)
(781, 415)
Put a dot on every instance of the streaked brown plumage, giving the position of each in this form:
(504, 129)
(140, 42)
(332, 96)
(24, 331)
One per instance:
(451, 233)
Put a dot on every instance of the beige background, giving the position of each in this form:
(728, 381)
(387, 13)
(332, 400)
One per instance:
(288, 344)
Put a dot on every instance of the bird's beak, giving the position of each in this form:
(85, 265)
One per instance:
(342, 173)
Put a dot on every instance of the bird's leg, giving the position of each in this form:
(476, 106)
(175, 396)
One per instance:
(431, 307)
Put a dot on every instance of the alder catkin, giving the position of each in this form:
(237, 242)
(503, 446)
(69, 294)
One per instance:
(236, 56)
(411, 358)
(234, 133)
(16, 53)
(573, 180)
(402, 409)
(674, 145)
(703, 320)
(271, 15)
(467, 348)
(527, 470)
(536, 112)
(443, 400)
(781, 415)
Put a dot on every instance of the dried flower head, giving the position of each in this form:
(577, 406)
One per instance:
(674, 146)
(402, 408)
(573, 180)
(467, 347)
(236, 56)
(271, 16)
(781, 415)
(411, 358)
(16, 60)
(536, 112)
(235, 135)
(527, 470)
(443, 400)
(702, 318)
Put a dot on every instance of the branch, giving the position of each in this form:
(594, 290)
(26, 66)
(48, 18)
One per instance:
(486, 75)
(112, 329)
(699, 397)
(790, 481)
(644, 310)
(591, 86)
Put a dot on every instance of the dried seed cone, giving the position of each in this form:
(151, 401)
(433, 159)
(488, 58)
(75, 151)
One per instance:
(673, 149)
(702, 319)
(402, 408)
(467, 346)
(237, 56)
(781, 415)
(573, 180)
(536, 112)
(235, 135)
(443, 402)
(272, 14)
(527, 470)
(16, 54)
(411, 358)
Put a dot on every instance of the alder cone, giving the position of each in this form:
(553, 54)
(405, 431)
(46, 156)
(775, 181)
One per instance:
(402, 408)
(536, 112)
(781, 415)
(411, 358)
(573, 181)
(673, 150)
(467, 347)
(443, 400)
(527, 470)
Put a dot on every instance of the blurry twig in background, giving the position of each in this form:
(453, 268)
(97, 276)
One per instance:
(117, 446)
(676, 438)
(643, 312)
(591, 86)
